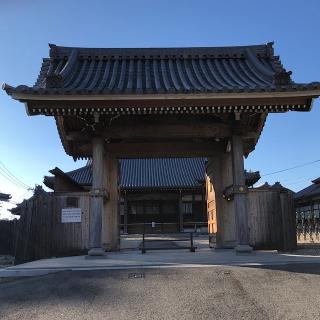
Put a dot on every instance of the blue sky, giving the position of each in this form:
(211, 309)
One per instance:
(30, 146)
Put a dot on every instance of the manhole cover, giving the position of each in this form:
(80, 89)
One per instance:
(135, 275)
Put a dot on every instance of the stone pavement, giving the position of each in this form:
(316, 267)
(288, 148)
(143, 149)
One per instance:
(203, 257)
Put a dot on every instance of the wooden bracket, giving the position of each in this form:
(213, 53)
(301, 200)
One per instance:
(100, 192)
(230, 191)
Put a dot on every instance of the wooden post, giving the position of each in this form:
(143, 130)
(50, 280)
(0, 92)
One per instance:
(221, 211)
(125, 213)
(110, 219)
(240, 191)
(180, 212)
(97, 193)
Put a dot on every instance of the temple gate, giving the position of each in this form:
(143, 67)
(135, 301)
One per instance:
(169, 102)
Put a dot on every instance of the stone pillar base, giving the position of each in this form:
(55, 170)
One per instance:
(96, 252)
(243, 248)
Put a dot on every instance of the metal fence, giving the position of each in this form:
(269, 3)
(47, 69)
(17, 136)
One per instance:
(308, 230)
(149, 242)
(163, 227)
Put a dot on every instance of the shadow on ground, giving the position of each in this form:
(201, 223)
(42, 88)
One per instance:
(306, 268)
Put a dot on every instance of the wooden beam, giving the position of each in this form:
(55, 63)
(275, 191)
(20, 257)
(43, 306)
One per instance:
(158, 131)
(170, 149)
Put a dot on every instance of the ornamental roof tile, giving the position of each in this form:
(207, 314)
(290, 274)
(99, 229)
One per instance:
(71, 70)
(154, 173)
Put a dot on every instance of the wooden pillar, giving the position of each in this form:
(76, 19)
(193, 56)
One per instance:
(240, 190)
(180, 212)
(97, 195)
(220, 211)
(110, 219)
(125, 213)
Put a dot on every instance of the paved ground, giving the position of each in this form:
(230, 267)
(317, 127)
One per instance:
(191, 293)
(5, 260)
(132, 258)
(174, 258)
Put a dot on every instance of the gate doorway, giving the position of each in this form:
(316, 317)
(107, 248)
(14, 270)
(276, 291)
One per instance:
(149, 216)
(162, 195)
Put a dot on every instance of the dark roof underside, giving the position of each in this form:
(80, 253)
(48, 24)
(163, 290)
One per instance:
(161, 70)
(154, 173)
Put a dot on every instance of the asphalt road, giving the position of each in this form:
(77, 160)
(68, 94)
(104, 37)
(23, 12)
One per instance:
(293, 292)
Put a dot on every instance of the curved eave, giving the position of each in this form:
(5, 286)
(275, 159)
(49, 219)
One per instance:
(52, 105)
(282, 92)
(262, 122)
(62, 135)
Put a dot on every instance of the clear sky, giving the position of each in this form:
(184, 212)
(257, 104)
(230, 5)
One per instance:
(30, 146)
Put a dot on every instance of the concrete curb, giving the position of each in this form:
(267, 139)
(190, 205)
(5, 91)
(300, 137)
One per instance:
(32, 272)
(27, 272)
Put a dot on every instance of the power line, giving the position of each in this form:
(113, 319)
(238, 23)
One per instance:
(5, 172)
(287, 169)
(6, 176)
(297, 181)
(12, 175)
(9, 178)
(30, 190)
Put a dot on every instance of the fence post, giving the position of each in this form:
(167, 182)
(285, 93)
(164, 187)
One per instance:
(143, 250)
(192, 248)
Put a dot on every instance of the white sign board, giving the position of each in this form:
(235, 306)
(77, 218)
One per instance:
(69, 215)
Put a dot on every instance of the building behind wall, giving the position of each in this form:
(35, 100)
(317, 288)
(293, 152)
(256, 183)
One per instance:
(168, 191)
(307, 204)
(307, 201)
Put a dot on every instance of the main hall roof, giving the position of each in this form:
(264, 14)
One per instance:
(312, 191)
(153, 173)
(83, 71)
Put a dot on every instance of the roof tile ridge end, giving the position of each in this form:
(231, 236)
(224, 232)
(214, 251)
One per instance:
(270, 48)
(53, 50)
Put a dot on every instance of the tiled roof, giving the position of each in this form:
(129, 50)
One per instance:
(154, 173)
(71, 70)
(160, 173)
(316, 181)
(309, 192)
(82, 176)
(5, 197)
